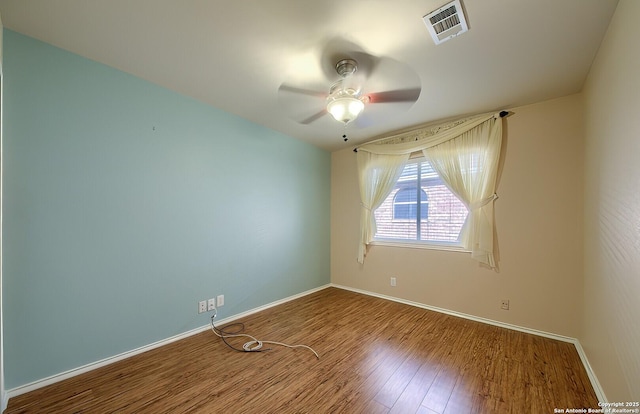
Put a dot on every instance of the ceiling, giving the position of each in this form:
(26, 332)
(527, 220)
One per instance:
(235, 55)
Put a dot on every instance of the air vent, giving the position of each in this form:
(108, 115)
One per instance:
(447, 22)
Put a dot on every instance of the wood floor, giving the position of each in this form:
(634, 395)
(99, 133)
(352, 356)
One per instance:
(376, 356)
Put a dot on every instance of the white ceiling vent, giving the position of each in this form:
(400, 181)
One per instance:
(446, 22)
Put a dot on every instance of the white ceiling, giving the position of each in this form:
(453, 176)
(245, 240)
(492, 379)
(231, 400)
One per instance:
(235, 55)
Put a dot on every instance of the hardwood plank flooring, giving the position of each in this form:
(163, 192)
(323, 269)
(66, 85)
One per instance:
(376, 356)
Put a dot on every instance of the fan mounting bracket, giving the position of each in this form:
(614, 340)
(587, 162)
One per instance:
(346, 67)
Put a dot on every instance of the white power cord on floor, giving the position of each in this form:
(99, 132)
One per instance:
(254, 345)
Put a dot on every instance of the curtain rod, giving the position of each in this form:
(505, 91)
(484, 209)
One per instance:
(502, 115)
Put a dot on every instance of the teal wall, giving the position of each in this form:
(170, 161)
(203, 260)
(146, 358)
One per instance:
(125, 204)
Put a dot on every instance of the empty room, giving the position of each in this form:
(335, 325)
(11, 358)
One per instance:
(419, 206)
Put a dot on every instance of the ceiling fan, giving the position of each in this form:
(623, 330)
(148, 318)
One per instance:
(357, 83)
(345, 101)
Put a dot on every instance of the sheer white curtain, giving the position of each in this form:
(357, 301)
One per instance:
(468, 165)
(464, 152)
(377, 176)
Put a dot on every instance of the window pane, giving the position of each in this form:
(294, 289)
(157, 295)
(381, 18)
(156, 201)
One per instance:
(446, 215)
(424, 207)
(407, 194)
(402, 211)
(405, 205)
(441, 213)
(410, 173)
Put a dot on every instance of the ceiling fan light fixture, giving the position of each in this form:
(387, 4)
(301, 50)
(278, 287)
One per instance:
(345, 107)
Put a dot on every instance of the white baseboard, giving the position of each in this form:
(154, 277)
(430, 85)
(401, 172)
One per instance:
(592, 376)
(461, 315)
(110, 360)
(6, 395)
(98, 364)
(583, 357)
(4, 401)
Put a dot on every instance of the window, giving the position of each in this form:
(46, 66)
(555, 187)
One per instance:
(420, 192)
(468, 152)
(405, 204)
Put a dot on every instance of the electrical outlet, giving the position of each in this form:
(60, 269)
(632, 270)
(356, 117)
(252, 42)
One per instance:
(393, 281)
(211, 304)
(202, 306)
(220, 300)
(504, 304)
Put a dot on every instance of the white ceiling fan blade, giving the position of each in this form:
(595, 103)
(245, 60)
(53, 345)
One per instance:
(398, 95)
(300, 104)
(303, 91)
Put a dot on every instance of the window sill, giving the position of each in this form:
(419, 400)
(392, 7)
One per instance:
(426, 246)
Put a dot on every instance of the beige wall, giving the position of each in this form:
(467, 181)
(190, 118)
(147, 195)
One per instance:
(539, 225)
(611, 334)
(571, 166)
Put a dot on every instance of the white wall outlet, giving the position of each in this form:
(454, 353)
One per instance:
(220, 299)
(202, 306)
(211, 304)
(393, 281)
(504, 304)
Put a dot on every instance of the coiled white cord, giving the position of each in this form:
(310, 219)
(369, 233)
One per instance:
(254, 345)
